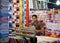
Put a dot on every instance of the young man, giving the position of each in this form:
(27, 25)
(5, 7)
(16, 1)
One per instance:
(38, 25)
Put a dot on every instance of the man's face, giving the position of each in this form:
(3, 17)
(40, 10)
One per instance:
(34, 18)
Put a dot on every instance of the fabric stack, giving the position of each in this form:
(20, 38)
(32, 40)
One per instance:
(4, 29)
(4, 6)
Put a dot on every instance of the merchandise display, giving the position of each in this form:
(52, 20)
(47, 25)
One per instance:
(4, 29)
(53, 24)
(4, 21)
(16, 16)
(20, 24)
(27, 13)
(44, 39)
(51, 19)
(24, 13)
(20, 14)
(20, 17)
(10, 11)
(42, 14)
(4, 6)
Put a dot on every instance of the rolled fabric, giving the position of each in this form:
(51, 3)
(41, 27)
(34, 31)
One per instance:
(12, 40)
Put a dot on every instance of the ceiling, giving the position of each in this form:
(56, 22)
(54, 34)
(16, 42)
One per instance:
(51, 5)
(54, 1)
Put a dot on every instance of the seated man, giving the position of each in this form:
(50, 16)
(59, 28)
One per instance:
(38, 25)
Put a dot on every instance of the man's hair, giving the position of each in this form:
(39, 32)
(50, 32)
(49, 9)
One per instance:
(34, 16)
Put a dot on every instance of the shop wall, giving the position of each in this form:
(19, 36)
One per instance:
(42, 14)
(31, 4)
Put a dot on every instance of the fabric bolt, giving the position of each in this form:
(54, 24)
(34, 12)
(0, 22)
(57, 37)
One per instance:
(0, 16)
(33, 40)
(6, 15)
(20, 41)
(10, 0)
(12, 40)
(10, 24)
(26, 41)
(17, 40)
(10, 31)
(29, 40)
(16, 13)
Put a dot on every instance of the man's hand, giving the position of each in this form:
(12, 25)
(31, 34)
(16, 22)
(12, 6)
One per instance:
(27, 27)
(37, 31)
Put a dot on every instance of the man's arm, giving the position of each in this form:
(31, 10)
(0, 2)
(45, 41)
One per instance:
(40, 27)
(41, 30)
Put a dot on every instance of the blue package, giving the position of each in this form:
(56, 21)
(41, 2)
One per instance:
(10, 0)
(10, 24)
(0, 15)
(6, 15)
(10, 32)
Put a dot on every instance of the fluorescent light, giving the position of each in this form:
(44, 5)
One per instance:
(58, 2)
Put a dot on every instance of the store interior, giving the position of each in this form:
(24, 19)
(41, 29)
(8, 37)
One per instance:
(29, 21)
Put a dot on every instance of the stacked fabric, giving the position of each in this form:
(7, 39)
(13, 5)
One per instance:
(16, 12)
(4, 29)
(4, 6)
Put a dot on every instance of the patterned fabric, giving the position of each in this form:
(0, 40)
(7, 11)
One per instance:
(37, 25)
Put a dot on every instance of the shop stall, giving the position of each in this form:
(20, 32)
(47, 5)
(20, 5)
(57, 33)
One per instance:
(19, 28)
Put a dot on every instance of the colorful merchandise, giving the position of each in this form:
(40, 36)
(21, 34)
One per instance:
(27, 13)
(4, 6)
(53, 24)
(16, 18)
(4, 29)
(24, 13)
(21, 13)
